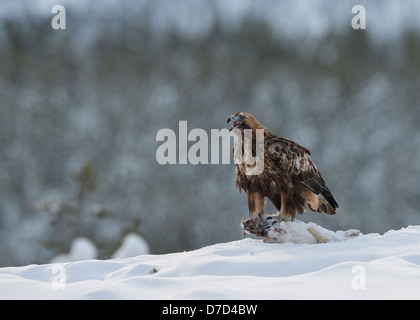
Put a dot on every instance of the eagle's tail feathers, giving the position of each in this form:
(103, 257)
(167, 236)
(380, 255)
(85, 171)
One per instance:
(329, 197)
(322, 202)
(327, 203)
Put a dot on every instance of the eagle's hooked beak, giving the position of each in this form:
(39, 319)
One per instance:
(236, 122)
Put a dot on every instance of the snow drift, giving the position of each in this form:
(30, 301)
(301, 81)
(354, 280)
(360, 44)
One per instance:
(370, 266)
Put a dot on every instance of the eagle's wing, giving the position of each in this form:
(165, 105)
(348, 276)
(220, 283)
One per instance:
(289, 156)
(293, 159)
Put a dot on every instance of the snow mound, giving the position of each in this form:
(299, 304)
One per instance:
(81, 249)
(369, 266)
(133, 245)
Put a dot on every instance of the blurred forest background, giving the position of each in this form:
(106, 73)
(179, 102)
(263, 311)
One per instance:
(80, 109)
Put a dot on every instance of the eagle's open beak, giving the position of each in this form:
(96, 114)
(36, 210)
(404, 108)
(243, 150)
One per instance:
(235, 122)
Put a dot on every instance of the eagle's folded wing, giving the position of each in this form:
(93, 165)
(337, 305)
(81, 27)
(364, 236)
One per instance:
(293, 159)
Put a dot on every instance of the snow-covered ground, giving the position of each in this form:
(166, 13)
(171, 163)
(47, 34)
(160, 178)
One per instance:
(370, 266)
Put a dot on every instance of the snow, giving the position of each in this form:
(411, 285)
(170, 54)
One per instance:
(81, 249)
(369, 266)
(133, 245)
(84, 249)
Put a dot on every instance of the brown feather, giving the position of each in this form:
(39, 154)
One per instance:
(290, 179)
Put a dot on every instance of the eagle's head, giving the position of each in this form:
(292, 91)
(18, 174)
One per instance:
(243, 120)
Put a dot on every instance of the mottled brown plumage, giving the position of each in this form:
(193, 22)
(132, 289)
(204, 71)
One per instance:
(290, 179)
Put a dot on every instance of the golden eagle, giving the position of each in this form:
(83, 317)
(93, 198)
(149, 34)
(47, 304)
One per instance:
(289, 179)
